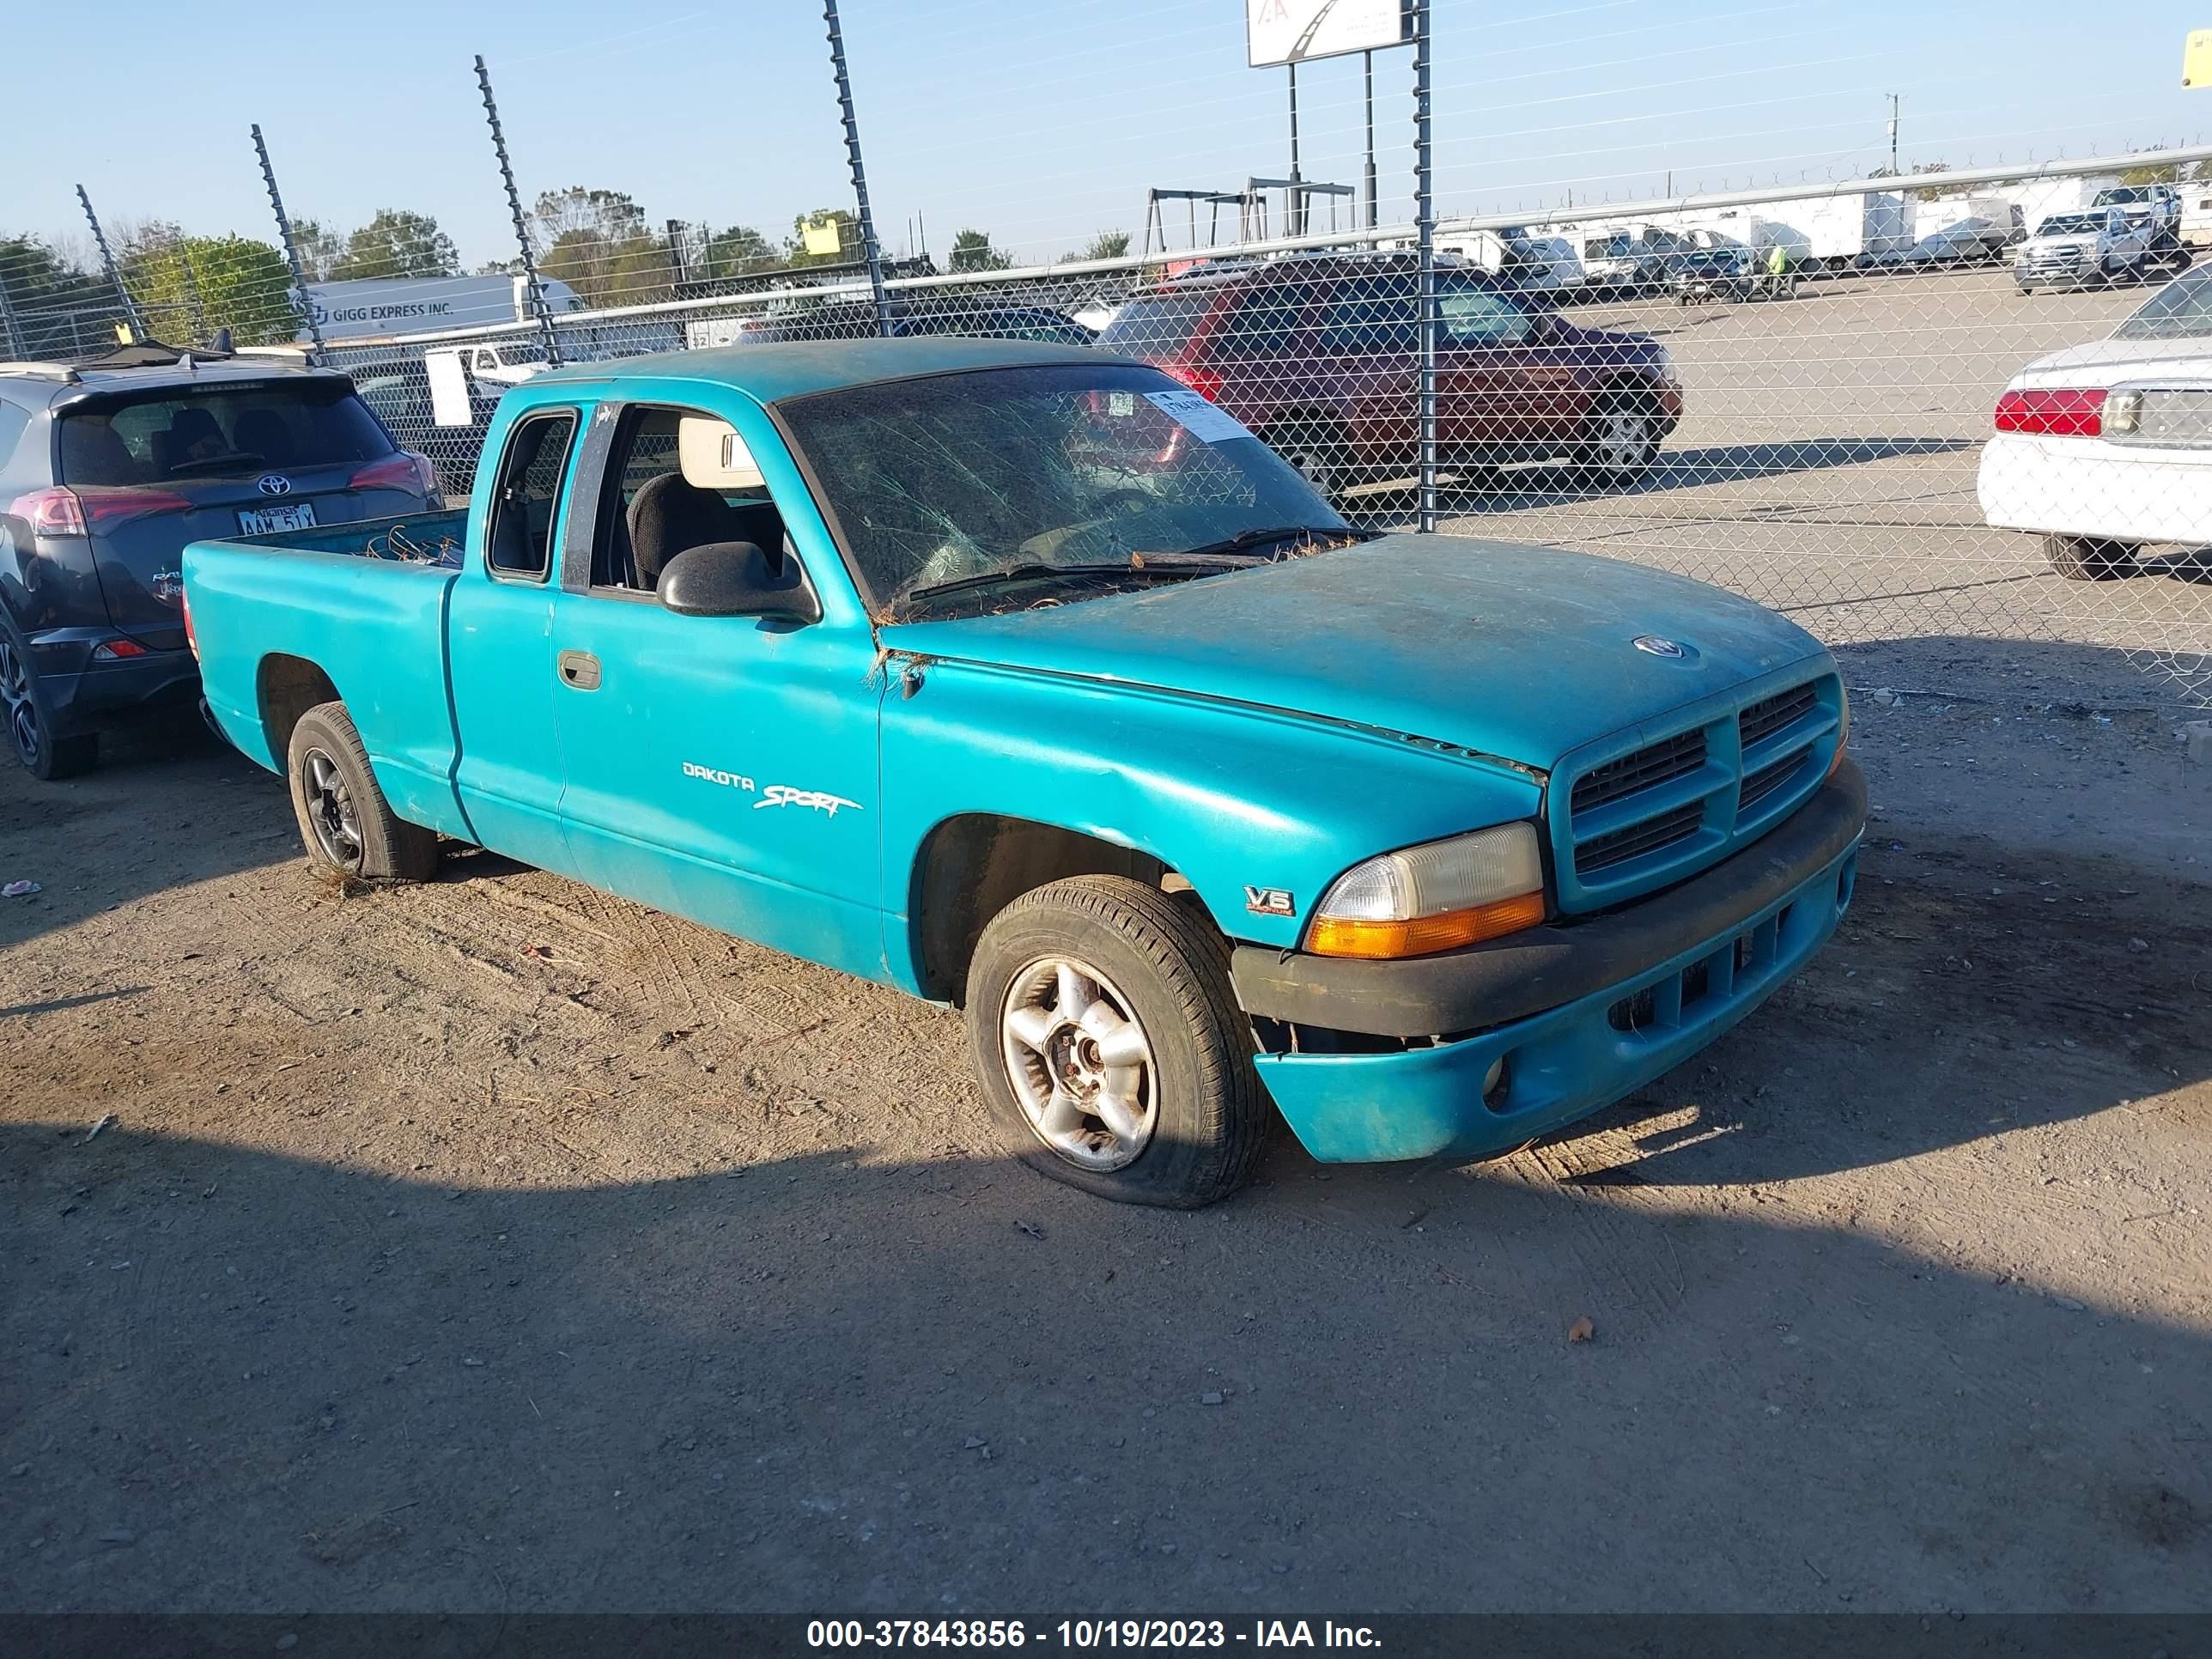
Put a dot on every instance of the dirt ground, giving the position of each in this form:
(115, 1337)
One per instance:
(494, 1245)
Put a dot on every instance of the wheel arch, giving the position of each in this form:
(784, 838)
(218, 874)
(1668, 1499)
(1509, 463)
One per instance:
(971, 865)
(286, 687)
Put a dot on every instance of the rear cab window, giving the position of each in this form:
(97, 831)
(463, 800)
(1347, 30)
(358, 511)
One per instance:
(526, 504)
(171, 434)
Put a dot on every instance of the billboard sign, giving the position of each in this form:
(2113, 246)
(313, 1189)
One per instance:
(1293, 31)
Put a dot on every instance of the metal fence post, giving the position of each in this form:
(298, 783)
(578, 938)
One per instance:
(317, 352)
(1425, 229)
(860, 173)
(107, 264)
(9, 330)
(200, 328)
(1367, 64)
(536, 290)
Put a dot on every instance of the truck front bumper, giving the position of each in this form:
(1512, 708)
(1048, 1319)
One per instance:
(1476, 1051)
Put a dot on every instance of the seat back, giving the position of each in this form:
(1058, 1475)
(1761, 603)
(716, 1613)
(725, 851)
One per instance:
(671, 513)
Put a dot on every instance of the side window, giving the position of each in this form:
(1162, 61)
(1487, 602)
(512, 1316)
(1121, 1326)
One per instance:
(1267, 324)
(1371, 317)
(528, 494)
(677, 478)
(1476, 317)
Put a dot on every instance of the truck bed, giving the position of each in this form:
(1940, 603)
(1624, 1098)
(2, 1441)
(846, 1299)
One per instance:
(354, 610)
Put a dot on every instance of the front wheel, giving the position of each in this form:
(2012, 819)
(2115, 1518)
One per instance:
(1108, 1044)
(2089, 558)
(347, 825)
(1623, 439)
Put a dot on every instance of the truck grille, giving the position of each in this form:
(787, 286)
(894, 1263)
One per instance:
(1638, 819)
(1633, 842)
(1661, 764)
(1769, 715)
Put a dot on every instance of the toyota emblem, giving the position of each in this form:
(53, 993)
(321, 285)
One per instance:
(274, 483)
(1652, 645)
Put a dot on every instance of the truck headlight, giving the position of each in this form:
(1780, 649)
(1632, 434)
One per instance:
(1436, 896)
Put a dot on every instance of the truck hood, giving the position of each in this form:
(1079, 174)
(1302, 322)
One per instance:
(2102, 362)
(1521, 653)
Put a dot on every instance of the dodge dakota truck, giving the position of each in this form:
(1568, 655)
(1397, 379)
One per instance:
(1023, 679)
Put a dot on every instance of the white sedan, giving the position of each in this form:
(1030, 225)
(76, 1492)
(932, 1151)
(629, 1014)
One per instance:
(2102, 448)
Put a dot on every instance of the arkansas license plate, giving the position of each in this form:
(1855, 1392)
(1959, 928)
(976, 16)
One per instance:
(267, 520)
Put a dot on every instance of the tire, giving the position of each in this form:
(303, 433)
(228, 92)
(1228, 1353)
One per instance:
(2089, 558)
(1623, 439)
(347, 826)
(1193, 1118)
(1316, 450)
(30, 719)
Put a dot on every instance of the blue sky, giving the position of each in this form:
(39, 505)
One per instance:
(1041, 123)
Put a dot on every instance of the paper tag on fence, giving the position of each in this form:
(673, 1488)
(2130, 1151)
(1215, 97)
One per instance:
(1207, 422)
(449, 390)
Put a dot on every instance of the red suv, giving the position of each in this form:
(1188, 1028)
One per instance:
(1319, 356)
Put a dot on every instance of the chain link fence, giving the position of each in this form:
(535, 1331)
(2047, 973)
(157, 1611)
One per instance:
(1962, 429)
(1816, 428)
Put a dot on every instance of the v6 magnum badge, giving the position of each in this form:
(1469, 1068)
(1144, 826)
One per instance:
(1269, 902)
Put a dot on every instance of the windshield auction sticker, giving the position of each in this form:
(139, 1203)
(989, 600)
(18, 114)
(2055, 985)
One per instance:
(1205, 422)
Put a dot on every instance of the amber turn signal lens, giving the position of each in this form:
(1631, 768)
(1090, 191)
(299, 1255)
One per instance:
(1424, 935)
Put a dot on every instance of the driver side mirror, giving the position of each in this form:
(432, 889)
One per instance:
(732, 579)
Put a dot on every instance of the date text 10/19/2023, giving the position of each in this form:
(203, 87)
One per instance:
(1085, 1634)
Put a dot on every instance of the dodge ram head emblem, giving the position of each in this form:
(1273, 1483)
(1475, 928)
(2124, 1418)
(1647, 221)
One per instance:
(1656, 646)
(274, 483)
(1269, 902)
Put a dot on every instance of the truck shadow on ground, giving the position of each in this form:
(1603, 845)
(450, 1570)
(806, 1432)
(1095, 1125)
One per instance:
(241, 1380)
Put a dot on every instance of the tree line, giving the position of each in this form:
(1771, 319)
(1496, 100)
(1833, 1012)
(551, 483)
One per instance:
(599, 242)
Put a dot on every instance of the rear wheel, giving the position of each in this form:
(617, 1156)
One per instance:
(30, 719)
(2089, 558)
(348, 827)
(1623, 438)
(1109, 1045)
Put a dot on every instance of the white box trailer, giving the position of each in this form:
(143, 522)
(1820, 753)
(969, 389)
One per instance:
(1830, 231)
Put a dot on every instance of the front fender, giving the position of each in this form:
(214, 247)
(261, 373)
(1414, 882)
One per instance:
(1228, 795)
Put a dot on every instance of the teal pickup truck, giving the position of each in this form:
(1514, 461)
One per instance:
(1023, 679)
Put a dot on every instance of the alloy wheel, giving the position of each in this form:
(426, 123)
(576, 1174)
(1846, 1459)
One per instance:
(24, 728)
(331, 810)
(1080, 1063)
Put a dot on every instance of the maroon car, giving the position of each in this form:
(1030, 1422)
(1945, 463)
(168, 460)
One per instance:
(1319, 356)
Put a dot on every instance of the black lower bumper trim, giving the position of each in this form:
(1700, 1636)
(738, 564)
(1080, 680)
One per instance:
(1547, 967)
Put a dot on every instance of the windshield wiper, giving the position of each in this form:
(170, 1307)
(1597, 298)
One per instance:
(1246, 541)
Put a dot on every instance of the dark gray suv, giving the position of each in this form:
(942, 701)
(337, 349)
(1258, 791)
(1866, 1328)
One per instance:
(107, 469)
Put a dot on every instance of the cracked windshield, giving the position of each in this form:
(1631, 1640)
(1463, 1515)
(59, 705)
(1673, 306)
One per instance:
(1014, 486)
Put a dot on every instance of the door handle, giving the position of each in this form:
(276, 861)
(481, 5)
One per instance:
(579, 669)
